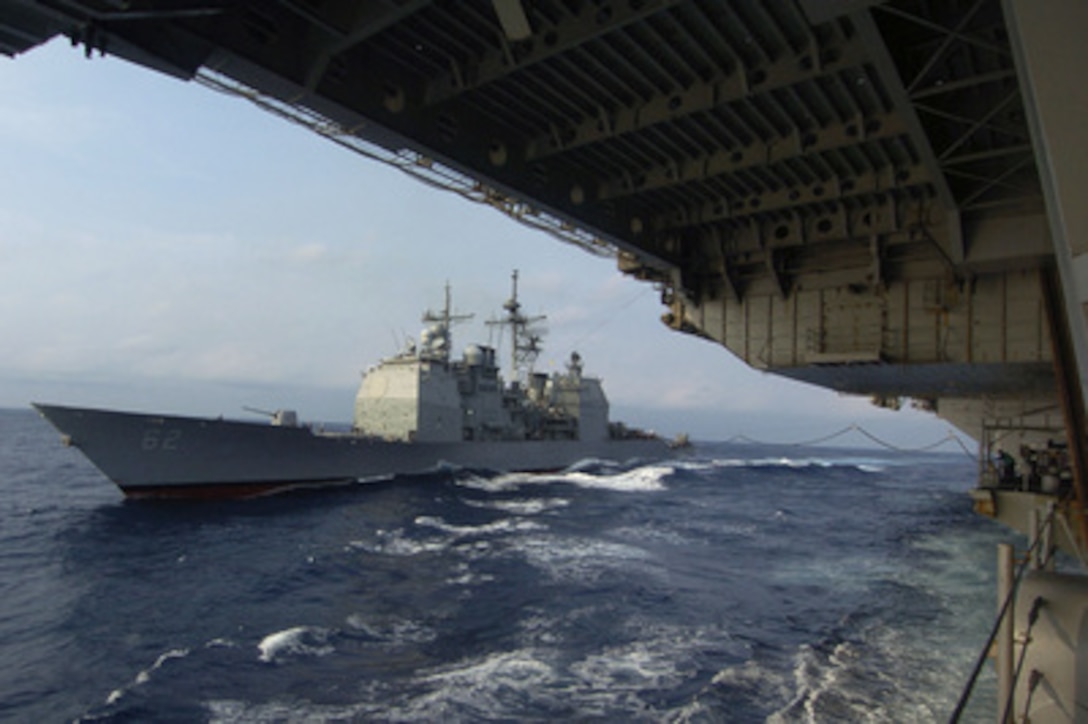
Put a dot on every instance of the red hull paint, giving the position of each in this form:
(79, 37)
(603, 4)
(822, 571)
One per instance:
(224, 491)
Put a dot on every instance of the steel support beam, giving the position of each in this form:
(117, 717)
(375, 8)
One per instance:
(1048, 44)
(886, 69)
(756, 155)
(569, 32)
(740, 85)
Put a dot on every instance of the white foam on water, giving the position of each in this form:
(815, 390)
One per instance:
(647, 478)
(634, 667)
(787, 462)
(659, 658)
(144, 675)
(790, 694)
(887, 677)
(584, 559)
(816, 679)
(617, 682)
(504, 525)
(759, 682)
(504, 482)
(729, 463)
(540, 630)
(698, 466)
(481, 688)
(587, 464)
(244, 712)
(396, 632)
(534, 506)
(522, 668)
(866, 465)
(396, 543)
(928, 686)
(470, 579)
(771, 462)
(295, 641)
(475, 549)
(467, 577)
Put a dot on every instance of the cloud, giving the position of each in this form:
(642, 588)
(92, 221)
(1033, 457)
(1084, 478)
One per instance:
(314, 251)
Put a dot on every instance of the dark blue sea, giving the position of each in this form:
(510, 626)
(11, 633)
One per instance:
(741, 583)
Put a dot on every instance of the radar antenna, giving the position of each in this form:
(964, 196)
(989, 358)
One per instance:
(437, 339)
(525, 340)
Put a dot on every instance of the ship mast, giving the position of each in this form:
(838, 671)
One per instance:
(525, 342)
(439, 344)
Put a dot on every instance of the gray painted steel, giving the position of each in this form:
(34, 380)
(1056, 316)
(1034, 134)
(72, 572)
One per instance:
(414, 412)
(149, 455)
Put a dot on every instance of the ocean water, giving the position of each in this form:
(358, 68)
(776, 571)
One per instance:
(740, 583)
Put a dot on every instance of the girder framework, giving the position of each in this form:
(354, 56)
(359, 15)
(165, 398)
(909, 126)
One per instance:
(736, 153)
(679, 131)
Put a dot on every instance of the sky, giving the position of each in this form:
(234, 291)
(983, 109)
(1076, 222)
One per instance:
(164, 247)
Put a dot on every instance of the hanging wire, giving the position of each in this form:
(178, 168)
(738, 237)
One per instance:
(611, 317)
(951, 437)
(1006, 604)
(802, 443)
(1034, 679)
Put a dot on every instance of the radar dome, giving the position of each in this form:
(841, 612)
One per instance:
(474, 356)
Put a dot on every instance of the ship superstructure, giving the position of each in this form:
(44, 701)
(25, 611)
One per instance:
(423, 394)
(414, 412)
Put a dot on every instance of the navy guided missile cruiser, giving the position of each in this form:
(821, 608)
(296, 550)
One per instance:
(415, 412)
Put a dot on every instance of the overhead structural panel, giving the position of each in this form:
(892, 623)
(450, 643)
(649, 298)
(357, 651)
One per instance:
(1048, 39)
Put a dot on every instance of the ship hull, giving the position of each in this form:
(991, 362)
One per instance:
(169, 456)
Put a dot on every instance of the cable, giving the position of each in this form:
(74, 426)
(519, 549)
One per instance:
(985, 652)
(612, 315)
(1034, 679)
(963, 447)
(802, 443)
(951, 437)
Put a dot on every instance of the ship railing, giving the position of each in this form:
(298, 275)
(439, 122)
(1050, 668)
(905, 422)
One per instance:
(1003, 638)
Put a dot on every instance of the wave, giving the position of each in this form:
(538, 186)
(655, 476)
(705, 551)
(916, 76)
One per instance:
(145, 674)
(296, 641)
(441, 535)
(397, 632)
(396, 542)
(234, 711)
(505, 525)
(583, 560)
(646, 478)
(628, 680)
(712, 467)
(533, 506)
